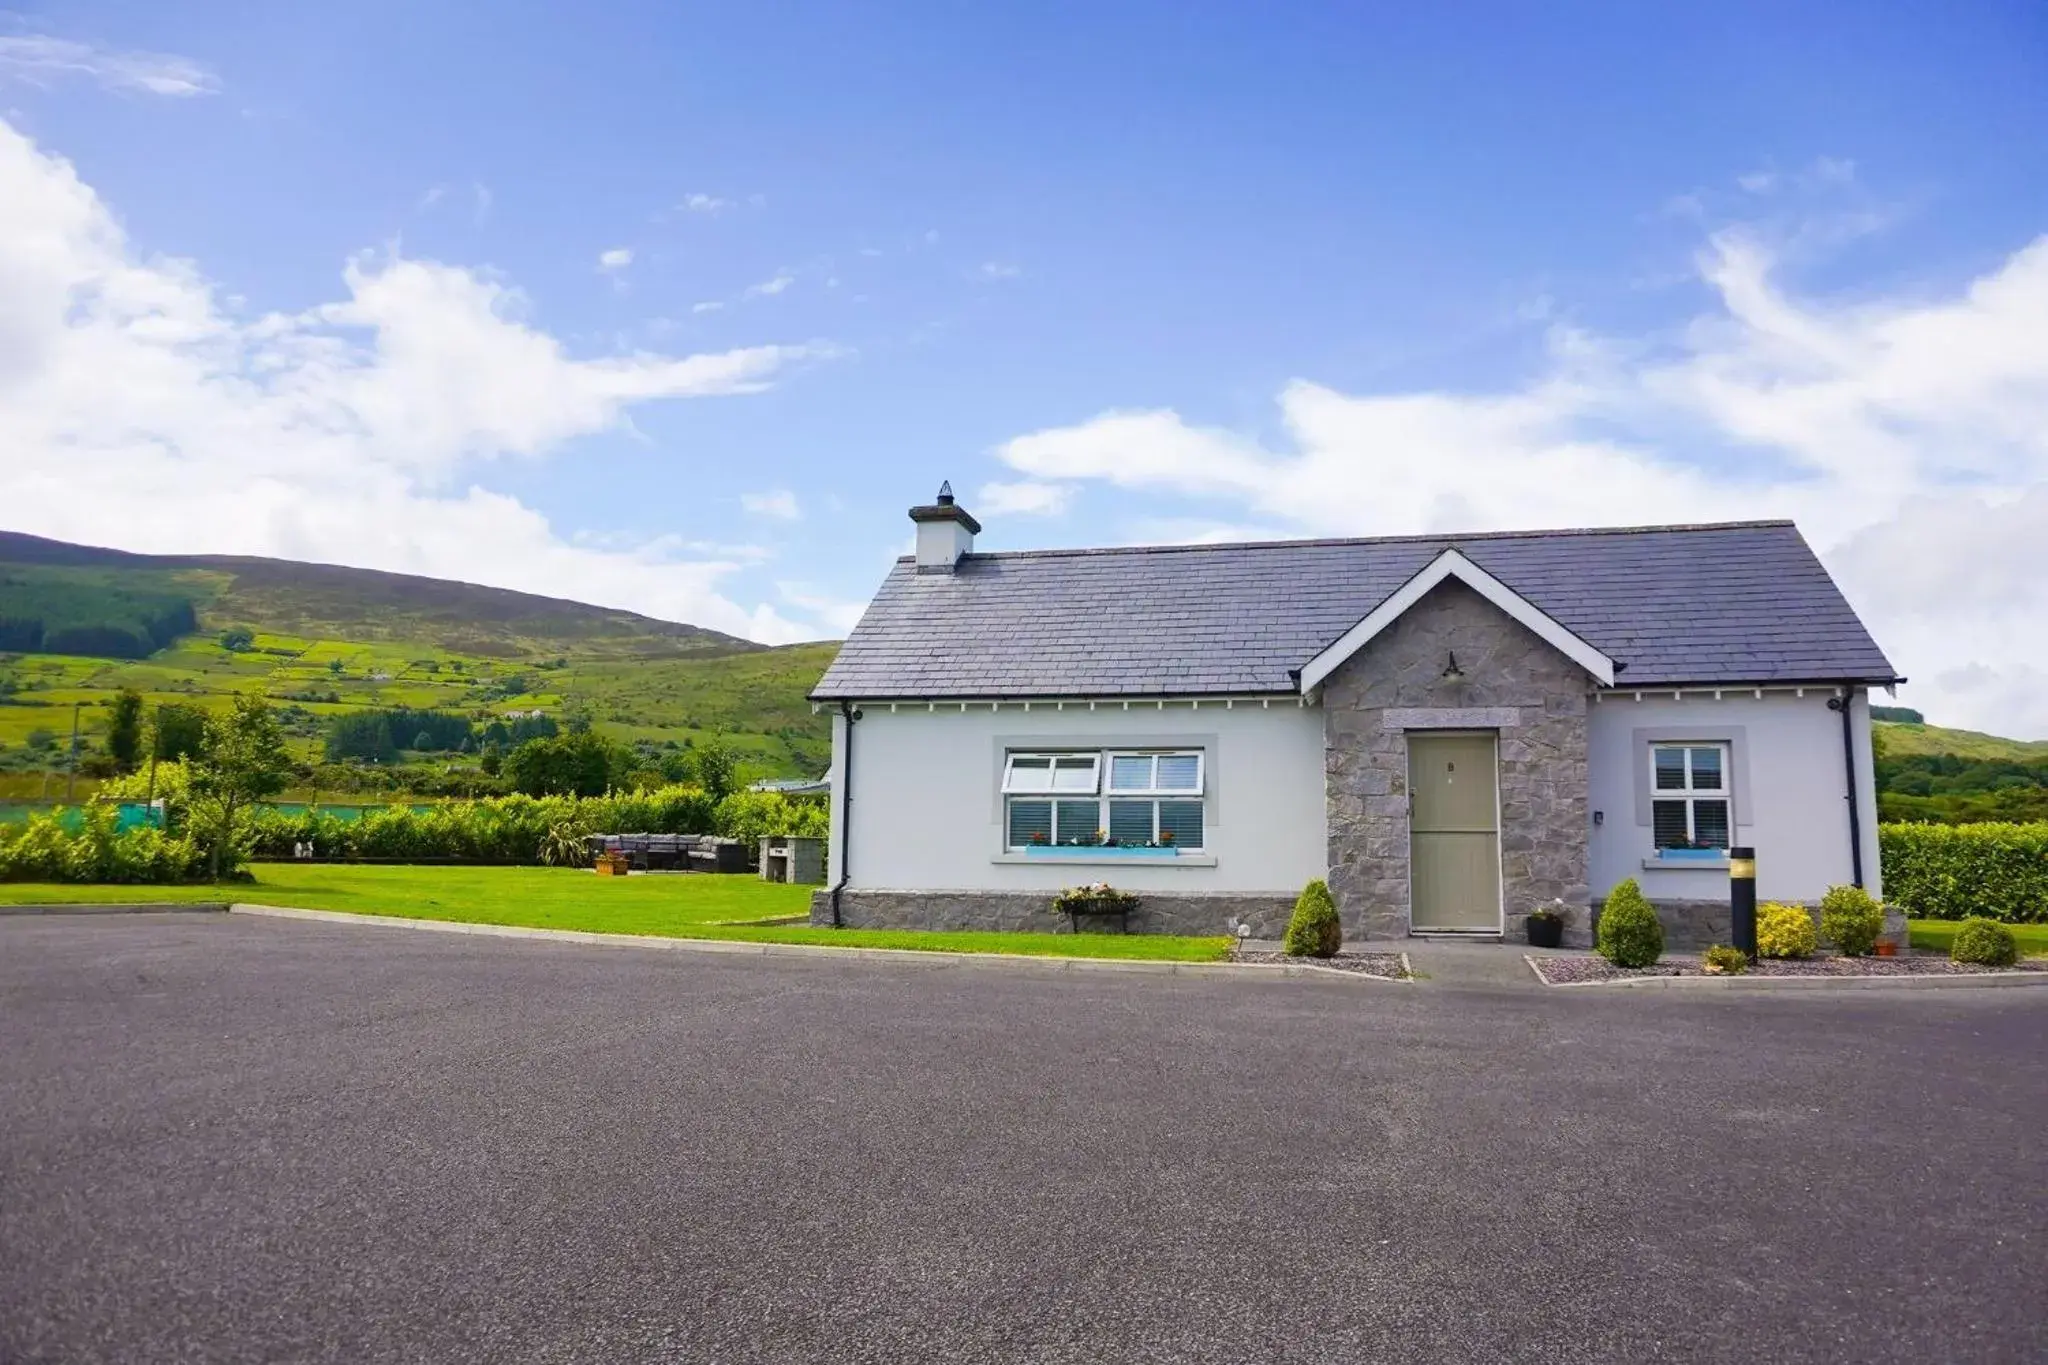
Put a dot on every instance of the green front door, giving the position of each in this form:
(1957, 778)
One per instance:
(1453, 833)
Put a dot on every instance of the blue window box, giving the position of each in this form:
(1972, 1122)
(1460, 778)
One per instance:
(1692, 855)
(1095, 851)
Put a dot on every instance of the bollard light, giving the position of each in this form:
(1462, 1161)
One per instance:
(1742, 898)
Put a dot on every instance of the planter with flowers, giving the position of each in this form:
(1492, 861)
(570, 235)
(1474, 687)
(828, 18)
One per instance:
(1096, 898)
(1545, 925)
(1100, 845)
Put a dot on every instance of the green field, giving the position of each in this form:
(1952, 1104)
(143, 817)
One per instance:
(330, 640)
(682, 906)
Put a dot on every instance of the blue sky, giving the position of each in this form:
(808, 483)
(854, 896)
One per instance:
(679, 307)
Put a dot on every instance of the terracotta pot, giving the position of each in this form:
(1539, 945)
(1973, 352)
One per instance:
(1887, 950)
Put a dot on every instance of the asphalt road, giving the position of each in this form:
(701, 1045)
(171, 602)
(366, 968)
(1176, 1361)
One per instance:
(225, 1139)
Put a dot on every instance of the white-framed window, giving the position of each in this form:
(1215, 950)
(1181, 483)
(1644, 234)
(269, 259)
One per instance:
(1127, 797)
(1033, 773)
(1690, 804)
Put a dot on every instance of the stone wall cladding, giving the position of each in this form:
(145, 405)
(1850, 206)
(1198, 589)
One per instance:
(1399, 676)
(1031, 911)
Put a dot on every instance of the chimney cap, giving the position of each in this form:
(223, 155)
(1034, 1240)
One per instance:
(946, 509)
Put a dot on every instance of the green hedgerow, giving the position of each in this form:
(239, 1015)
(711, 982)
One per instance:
(1314, 930)
(1784, 930)
(1958, 871)
(1629, 933)
(1851, 919)
(1986, 942)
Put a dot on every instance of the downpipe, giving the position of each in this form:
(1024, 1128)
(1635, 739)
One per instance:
(846, 814)
(1844, 704)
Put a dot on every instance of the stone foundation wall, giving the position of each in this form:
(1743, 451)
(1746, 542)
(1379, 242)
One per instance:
(1031, 911)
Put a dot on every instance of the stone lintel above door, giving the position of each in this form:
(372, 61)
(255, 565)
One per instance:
(1450, 717)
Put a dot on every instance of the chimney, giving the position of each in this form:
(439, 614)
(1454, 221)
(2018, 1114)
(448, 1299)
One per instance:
(944, 533)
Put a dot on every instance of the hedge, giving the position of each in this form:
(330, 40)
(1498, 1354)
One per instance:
(43, 850)
(1957, 871)
(506, 829)
(513, 829)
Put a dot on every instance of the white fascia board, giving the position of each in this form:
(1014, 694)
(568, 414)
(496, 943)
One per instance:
(1451, 564)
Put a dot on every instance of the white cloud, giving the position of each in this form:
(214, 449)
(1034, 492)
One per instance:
(999, 270)
(1908, 437)
(707, 306)
(1025, 498)
(37, 59)
(351, 433)
(778, 503)
(618, 258)
(770, 286)
(1822, 173)
(705, 203)
(837, 615)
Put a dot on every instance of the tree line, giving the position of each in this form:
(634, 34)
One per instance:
(41, 613)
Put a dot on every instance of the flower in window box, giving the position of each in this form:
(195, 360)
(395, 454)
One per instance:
(1037, 839)
(1166, 838)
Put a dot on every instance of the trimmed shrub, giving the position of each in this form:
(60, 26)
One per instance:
(42, 850)
(1314, 929)
(1630, 934)
(1851, 919)
(1958, 871)
(1723, 960)
(1784, 930)
(1986, 942)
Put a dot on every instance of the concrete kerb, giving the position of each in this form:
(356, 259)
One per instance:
(711, 945)
(1801, 983)
(118, 908)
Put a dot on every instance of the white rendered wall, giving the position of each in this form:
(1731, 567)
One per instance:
(1789, 797)
(928, 815)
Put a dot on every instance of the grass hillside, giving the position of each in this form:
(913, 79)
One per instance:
(361, 605)
(1929, 772)
(1904, 740)
(321, 641)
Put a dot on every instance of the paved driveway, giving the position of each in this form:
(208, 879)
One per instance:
(234, 1139)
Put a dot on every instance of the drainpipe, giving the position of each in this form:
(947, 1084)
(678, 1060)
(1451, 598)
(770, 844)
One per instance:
(1843, 704)
(846, 813)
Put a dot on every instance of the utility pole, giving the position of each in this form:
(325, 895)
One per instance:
(71, 778)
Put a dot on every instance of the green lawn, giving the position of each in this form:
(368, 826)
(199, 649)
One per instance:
(1938, 934)
(702, 906)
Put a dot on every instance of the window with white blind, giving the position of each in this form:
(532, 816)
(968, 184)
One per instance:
(1690, 795)
(1122, 798)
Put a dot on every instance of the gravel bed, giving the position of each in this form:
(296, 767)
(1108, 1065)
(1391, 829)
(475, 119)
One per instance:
(1388, 965)
(1560, 971)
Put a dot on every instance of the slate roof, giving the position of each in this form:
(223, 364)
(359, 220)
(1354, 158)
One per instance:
(1743, 602)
